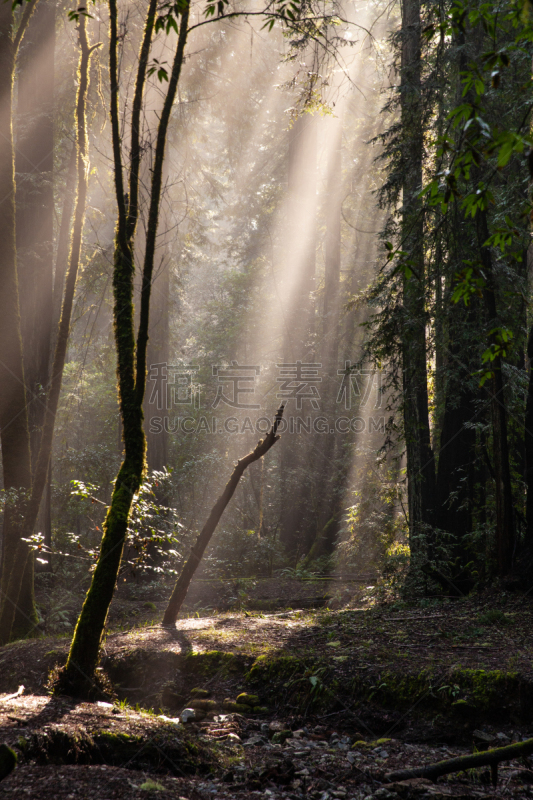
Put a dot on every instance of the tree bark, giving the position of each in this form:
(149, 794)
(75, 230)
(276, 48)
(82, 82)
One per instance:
(455, 483)
(46, 441)
(14, 429)
(78, 676)
(420, 461)
(328, 481)
(297, 525)
(490, 758)
(505, 530)
(34, 163)
(528, 440)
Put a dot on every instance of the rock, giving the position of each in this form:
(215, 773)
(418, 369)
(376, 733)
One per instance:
(8, 761)
(200, 693)
(260, 710)
(410, 787)
(384, 794)
(275, 725)
(482, 740)
(255, 741)
(281, 736)
(206, 705)
(359, 744)
(299, 734)
(173, 720)
(237, 708)
(462, 708)
(248, 699)
(233, 737)
(192, 715)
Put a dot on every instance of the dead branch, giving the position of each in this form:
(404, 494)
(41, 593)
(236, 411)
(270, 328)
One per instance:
(489, 758)
(191, 565)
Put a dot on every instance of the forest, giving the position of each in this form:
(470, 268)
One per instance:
(266, 399)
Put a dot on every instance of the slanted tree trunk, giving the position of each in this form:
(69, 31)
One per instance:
(14, 430)
(420, 461)
(191, 565)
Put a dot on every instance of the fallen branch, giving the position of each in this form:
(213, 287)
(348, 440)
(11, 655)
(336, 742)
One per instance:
(490, 758)
(182, 584)
(18, 693)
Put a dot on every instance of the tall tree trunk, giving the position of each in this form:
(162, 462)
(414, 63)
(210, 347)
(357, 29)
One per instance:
(34, 162)
(329, 474)
(528, 440)
(78, 676)
(420, 462)
(297, 455)
(505, 530)
(456, 476)
(158, 353)
(14, 430)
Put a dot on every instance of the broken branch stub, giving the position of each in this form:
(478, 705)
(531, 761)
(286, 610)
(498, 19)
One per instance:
(191, 565)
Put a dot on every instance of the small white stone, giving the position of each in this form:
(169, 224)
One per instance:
(188, 715)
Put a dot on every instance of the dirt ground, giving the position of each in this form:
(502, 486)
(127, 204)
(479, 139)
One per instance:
(341, 746)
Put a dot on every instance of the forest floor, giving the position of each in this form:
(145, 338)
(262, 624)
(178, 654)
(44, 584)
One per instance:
(345, 695)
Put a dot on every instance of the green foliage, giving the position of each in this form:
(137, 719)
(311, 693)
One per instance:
(493, 616)
(154, 531)
(375, 526)
(300, 572)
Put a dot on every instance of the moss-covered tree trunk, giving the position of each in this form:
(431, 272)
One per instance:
(14, 431)
(78, 677)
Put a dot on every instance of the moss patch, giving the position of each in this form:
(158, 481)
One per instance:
(162, 749)
(212, 662)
